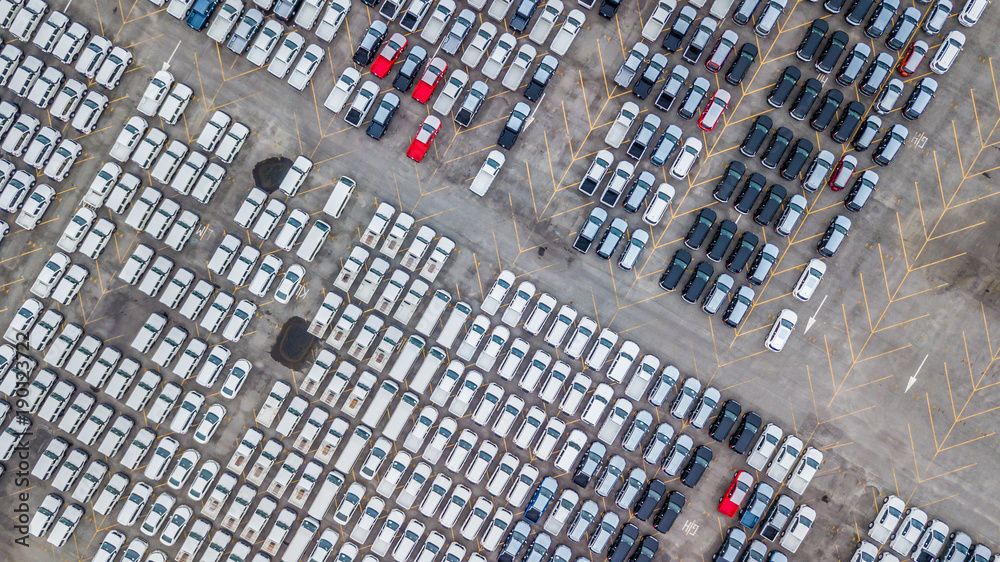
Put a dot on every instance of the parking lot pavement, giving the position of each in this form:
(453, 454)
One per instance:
(893, 382)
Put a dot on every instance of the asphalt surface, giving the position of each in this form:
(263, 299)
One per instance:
(909, 297)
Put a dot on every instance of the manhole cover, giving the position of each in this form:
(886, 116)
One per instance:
(267, 174)
(294, 344)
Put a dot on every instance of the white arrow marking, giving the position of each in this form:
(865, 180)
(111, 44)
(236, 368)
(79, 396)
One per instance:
(738, 217)
(913, 378)
(166, 64)
(67, 5)
(531, 116)
(812, 319)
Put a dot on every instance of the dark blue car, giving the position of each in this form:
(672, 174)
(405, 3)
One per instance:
(198, 16)
(541, 499)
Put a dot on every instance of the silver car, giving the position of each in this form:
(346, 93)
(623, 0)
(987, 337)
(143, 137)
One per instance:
(609, 478)
(685, 398)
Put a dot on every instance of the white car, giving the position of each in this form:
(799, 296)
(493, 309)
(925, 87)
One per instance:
(581, 337)
(306, 67)
(332, 19)
(175, 103)
(574, 395)
(342, 90)
(262, 47)
(551, 435)
(289, 284)
(783, 462)
(477, 517)
(598, 403)
(239, 321)
(473, 337)
(450, 92)
(654, 25)
(810, 280)
(156, 91)
(134, 504)
(454, 507)
(110, 73)
(782, 329)
(286, 53)
(686, 158)
(65, 525)
(35, 206)
(461, 451)
(477, 47)
(411, 535)
(89, 112)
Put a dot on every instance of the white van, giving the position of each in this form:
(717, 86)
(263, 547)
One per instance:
(400, 417)
(429, 319)
(197, 299)
(391, 338)
(315, 237)
(432, 362)
(326, 494)
(411, 349)
(292, 416)
(300, 540)
(355, 445)
(341, 377)
(331, 441)
(149, 332)
(143, 209)
(316, 374)
(380, 403)
(459, 315)
(339, 197)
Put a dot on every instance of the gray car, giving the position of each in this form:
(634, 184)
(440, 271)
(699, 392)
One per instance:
(678, 453)
(709, 400)
(630, 491)
(245, 31)
(958, 549)
(717, 294)
(664, 384)
(658, 443)
(626, 73)
(609, 478)
(637, 431)
(685, 398)
(605, 530)
(584, 518)
(777, 517)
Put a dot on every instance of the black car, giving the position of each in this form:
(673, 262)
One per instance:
(719, 245)
(858, 11)
(852, 65)
(611, 239)
(777, 147)
(647, 549)
(696, 466)
(730, 179)
(590, 230)
(682, 24)
(608, 8)
(672, 275)
(589, 464)
(515, 122)
(867, 133)
(700, 228)
(643, 136)
(834, 6)
(751, 190)
(921, 97)
(650, 497)
(804, 101)
(770, 205)
(696, 284)
(744, 59)
(637, 194)
(746, 433)
(650, 75)
(699, 40)
(756, 136)
(875, 76)
(834, 48)
(668, 513)
(541, 77)
(744, 11)
(671, 87)
(812, 40)
(740, 255)
(473, 101)
(725, 420)
(522, 15)
(410, 69)
(881, 18)
(783, 87)
(622, 545)
(383, 116)
(827, 109)
(371, 42)
(693, 98)
(890, 144)
(848, 122)
(796, 159)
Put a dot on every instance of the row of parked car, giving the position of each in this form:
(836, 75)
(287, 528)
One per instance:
(911, 536)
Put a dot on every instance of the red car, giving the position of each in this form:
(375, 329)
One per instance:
(713, 111)
(425, 136)
(912, 59)
(388, 55)
(738, 491)
(842, 172)
(429, 80)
